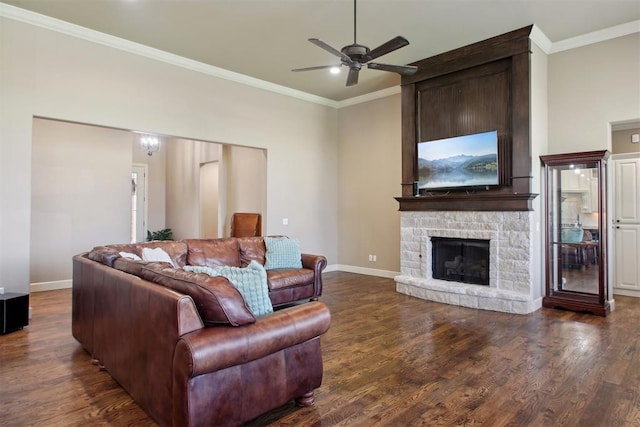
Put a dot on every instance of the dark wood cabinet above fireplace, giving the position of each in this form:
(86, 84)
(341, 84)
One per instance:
(478, 88)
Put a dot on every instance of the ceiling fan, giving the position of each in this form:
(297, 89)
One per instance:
(356, 55)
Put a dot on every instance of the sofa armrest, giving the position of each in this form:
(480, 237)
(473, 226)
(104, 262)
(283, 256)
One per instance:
(317, 263)
(215, 348)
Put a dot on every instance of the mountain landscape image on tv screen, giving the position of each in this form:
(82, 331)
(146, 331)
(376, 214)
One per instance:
(463, 161)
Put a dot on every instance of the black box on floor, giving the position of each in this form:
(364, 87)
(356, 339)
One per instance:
(14, 312)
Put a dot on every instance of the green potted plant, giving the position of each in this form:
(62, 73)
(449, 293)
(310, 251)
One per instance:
(164, 234)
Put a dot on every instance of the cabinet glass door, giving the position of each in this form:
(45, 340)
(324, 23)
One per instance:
(574, 229)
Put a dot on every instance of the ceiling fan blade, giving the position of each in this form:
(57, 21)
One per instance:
(393, 44)
(405, 70)
(319, 67)
(352, 78)
(331, 50)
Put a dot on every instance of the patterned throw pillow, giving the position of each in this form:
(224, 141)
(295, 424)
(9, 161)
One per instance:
(282, 252)
(250, 281)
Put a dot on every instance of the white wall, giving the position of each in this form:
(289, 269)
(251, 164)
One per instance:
(48, 74)
(590, 87)
(539, 145)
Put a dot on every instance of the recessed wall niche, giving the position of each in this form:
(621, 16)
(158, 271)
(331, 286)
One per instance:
(477, 88)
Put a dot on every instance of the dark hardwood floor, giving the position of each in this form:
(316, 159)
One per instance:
(390, 360)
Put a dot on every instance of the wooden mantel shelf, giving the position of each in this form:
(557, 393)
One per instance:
(468, 202)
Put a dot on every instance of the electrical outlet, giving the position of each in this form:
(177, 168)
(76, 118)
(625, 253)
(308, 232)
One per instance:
(370, 257)
(285, 221)
(374, 258)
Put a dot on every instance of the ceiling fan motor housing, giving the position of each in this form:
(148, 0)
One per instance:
(355, 51)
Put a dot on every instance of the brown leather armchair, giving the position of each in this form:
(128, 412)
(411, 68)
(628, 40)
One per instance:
(246, 224)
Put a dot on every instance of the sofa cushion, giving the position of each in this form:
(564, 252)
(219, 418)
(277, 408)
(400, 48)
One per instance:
(130, 255)
(109, 253)
(251, 281)
(176, 250)
(288, 277)
(217, 301)
(251, 249)
(156, 255)
(282, 252)
(213, 252)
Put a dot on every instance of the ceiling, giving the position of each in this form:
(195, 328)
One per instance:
(265, 39)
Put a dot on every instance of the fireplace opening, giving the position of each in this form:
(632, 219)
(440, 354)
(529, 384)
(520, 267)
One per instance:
(460, 260)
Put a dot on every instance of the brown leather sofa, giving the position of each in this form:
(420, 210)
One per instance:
(185, 345)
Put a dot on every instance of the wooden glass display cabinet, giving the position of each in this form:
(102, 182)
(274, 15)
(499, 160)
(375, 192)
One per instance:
(576, 232)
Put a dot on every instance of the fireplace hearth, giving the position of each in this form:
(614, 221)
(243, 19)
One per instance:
(460, 260)
(514, 286)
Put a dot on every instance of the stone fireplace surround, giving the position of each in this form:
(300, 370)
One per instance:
(510, 262)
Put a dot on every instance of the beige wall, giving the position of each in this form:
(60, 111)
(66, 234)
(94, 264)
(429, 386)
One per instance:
(80, 194)
(590, 87)
(621, 141)
(47, 74)
(241, 182)
(183, 183)
(369, 170)
(246, 190)
(310, 148)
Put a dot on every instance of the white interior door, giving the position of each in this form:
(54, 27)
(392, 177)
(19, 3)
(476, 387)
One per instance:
(627, 190)
(138, 203)
(627, 252)
(626, 223)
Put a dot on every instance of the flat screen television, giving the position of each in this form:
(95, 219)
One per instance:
(458, 162)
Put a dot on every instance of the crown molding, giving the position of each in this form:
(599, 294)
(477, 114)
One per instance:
(393, 90)
(540, 39)
(73, 30)
(596, 36)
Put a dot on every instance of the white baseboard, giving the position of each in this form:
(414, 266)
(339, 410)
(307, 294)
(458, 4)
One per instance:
(50, 286)
(329, 268)
(626, 292)
(367, 271)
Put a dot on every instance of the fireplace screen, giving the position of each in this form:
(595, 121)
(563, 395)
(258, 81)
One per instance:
(460, 260)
